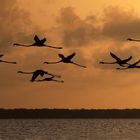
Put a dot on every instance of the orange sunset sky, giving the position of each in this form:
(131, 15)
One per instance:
(92, 29)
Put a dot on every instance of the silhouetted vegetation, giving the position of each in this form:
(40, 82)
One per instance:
(68, 113)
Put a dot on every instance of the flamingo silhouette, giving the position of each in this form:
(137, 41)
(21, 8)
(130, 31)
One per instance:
(50, 79)
(66, 60)
(131, 39)
(130, 66)
(38, 42)
(1, 55)
(118, 60)
(38, 72)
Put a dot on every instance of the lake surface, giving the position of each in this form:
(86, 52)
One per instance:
(70, 129)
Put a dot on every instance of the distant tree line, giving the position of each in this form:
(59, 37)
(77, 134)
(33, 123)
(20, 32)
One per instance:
(68, 113)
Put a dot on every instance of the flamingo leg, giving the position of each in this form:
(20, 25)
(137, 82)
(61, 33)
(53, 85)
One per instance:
(78, 65)
(8, 62)
(107, 62)
(57, 81)
(59, 76)
(130, 39)
(49, 80)
(122, 68)
(122, 65)
(53, 47)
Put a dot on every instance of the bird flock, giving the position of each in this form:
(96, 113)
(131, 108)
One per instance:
(39, 72)
(123, 63)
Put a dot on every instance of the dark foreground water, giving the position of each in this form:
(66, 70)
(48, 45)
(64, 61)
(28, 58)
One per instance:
(70, 129)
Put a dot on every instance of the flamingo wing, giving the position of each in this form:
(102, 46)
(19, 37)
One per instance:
(71, 56)
(35, 75)
(44, 72)
(43, 40)
(128, 59)
(114, 56)
(36, 38)
(134, 64)
(61, 56)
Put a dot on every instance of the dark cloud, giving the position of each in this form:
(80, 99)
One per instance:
(120, 24)
(76, 31)
(14, 22)
(115, 23)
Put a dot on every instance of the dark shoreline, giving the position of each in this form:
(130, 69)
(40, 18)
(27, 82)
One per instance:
(69, 113)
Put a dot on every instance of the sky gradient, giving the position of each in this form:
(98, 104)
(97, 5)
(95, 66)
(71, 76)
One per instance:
(92, 29)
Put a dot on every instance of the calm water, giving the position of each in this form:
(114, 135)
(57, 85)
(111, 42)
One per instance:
(70, 129)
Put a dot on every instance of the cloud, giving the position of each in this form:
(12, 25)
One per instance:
(14, 22)
(114, 24)
(76, 31)
(120, 24)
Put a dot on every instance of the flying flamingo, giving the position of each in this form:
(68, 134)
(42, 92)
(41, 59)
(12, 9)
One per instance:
(36, 73)
(1, 55)
(131, 39)
(50, 79)
(66, 60)
(118, 60)
(130, 66)
(38, 42)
